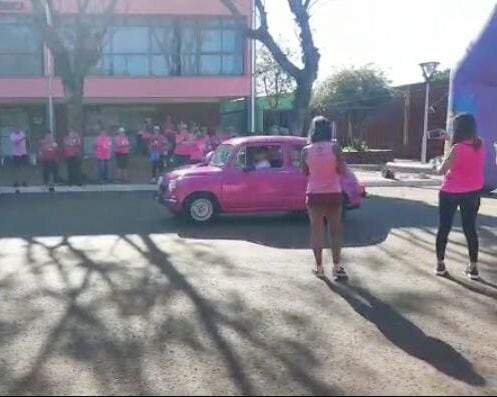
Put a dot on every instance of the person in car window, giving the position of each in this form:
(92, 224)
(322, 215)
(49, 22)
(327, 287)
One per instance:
(322, 162)
(261, 161)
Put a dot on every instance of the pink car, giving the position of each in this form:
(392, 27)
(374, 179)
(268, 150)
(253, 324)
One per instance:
(247, 175)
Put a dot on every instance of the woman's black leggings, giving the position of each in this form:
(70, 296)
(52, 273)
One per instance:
(469, 203)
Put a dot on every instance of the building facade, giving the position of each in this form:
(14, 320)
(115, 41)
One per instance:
(183, 58)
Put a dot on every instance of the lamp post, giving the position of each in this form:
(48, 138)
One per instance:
(429, 69)
(49, 72)
(253, 65)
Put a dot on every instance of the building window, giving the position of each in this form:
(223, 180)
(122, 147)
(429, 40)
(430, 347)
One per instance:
(160, 46)
(20, 47)
(212, 46)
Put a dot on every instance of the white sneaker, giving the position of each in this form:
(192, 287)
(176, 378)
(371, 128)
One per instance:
(339, 273)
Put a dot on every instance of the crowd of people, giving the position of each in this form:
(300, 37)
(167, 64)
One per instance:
(166, 146)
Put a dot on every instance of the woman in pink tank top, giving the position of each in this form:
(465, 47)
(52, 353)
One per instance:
(463, 171)
(323, 164)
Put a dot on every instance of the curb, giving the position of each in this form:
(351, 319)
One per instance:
(84, 189)
(371, 183)
(403, 183)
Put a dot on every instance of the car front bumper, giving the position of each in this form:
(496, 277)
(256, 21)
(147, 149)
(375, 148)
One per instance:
(171, 204)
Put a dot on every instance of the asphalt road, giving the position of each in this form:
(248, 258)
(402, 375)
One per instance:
(104, 294)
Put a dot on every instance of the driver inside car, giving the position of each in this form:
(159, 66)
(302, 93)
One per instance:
(261, 161)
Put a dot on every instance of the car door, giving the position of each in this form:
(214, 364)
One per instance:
(297, 184)
(247, 188)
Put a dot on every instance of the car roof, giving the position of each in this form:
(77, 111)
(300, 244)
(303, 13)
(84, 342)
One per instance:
(267, 139)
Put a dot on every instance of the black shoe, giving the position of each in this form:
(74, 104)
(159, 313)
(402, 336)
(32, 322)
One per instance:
(472, 272)
(16, 185)
(24, 184)
(441, 270)
(51, 189)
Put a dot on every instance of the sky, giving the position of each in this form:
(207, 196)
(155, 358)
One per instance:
(395, 35)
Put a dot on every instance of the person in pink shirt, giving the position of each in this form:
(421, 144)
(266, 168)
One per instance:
(19, 150)
(103, 153)
(156, 149)
(211, 142)
(182, 150)
(169, 127)
(463, 171)
(323, 164)
(143, 137)
(72, 154)
(49, 158)
(122, 150)
(197, 149)
(170, 135)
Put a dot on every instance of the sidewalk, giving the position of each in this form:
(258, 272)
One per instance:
(83, 189)
(369, 178)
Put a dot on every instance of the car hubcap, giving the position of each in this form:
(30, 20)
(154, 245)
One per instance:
(202, 210)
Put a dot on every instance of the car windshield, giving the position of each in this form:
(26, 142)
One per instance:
(221, 155)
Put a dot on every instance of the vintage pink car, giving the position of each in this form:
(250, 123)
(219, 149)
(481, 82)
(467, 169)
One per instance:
(247, 175)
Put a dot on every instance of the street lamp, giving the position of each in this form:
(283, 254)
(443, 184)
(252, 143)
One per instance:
(50, 74)
(429, 69)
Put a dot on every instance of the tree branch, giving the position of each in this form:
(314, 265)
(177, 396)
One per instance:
(310, 53)
(263, 35)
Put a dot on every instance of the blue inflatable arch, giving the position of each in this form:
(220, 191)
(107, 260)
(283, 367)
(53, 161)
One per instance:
(474, 90)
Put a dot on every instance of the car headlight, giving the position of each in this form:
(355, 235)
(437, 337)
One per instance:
(173, 184)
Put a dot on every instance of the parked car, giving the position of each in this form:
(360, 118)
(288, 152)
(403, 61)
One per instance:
(247, 175)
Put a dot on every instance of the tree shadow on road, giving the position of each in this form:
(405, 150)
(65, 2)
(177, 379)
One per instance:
(97, 301)
(407, 336)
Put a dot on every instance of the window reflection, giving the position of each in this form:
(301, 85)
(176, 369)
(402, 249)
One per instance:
(20, 47)
(173, 46)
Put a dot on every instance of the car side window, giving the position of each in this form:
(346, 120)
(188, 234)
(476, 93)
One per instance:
(260, 157)
(296, 156)
(241, 158)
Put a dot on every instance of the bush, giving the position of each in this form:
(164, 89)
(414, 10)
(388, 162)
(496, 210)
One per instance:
(356, 146)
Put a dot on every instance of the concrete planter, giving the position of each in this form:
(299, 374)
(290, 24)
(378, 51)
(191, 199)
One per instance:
(369, 157)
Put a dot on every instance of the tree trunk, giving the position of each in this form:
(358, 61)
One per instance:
(74, 106)
(300, 113)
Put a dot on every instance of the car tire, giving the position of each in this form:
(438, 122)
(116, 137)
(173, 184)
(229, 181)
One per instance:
(201, 208)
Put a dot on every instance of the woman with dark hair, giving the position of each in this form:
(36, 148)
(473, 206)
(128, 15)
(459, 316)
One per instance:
(323, 164)
(463, 169)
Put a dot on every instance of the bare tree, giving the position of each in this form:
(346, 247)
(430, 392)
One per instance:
(76, 42)
(272, 81)
(305, 76)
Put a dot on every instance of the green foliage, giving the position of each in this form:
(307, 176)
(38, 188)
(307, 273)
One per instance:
(273, 81)
(354, 93)
(355, 89)
(441, 75)
(356, 145)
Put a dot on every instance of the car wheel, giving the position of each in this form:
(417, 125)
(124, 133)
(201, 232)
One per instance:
(201, 208)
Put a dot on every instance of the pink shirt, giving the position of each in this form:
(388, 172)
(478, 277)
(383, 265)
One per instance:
(72, 146)
(18, 141)
(467, 173)
(182, 143)
(49, 150)
(122, 144)
(197, 149)
(323, 174)
(103, 148)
